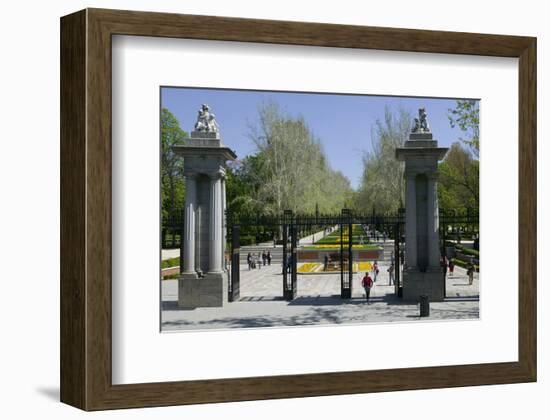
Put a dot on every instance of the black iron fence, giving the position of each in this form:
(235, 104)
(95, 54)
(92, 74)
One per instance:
(171, 231)
(456, 228)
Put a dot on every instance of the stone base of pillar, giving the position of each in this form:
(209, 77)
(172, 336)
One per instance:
(205, 292)
(430, 282)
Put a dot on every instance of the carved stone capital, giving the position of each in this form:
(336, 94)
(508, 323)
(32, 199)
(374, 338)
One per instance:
(219, 174)
(411, 174)
(190, 175)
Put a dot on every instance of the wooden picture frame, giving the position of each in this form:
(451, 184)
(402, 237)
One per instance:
(86, 360)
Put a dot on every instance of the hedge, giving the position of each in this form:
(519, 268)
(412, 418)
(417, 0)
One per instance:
(170, 262)
(467, 251)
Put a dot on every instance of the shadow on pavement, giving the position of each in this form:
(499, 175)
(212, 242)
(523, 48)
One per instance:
(312, 317)
(462, 298)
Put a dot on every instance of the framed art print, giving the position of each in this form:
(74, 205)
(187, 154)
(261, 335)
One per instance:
(250, 207)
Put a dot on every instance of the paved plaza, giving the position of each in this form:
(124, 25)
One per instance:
(318, 302)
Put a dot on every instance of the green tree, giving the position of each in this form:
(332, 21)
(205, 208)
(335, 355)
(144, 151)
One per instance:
(242, 185)
(172, 184)
(291, 170)
(382, 186)
(466, 117)
(458, 184)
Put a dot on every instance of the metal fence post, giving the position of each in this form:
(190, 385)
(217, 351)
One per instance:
(235, 278)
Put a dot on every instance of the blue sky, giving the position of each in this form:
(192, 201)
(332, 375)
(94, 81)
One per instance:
(342, 123)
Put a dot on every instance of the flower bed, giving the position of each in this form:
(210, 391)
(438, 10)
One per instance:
(334, 237)
(336, 247)
(318, 268)
(360, 253)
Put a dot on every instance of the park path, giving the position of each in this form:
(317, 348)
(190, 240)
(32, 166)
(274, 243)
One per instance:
(318, 302)
(308, 240)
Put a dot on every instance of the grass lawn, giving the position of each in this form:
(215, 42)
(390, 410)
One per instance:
(324, 247)
(334, 237)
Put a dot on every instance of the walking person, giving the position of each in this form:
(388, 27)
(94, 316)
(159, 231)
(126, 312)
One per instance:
(289, 264)
(451, 267)
(367, 284)
(470, 271)
(375, 270)
(258, 261)
(444, 264)
(325, 261)
(391, 275)
(249, 260)
(268, 257)
(264, 257)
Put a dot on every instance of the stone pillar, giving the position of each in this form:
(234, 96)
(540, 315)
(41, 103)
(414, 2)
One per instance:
(422, 274)
(206, 156)
(433, 221)
(189, 236)
(410, 220)
(224, 222)
(216, 229)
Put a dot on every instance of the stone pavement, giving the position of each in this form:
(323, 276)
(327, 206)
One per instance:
(318, 302)
(170, 253)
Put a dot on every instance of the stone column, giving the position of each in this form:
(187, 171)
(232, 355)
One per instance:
(189, 238)
(410, 220)
(433, 221)
(216, 217)
(224, 222)
(422, 274)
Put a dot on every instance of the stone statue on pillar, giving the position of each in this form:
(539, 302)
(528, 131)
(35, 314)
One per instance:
(206, 121)
(421, 123)
(203, 282)
(422, 274)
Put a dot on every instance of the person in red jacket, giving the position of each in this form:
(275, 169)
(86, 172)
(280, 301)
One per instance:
(367, 285)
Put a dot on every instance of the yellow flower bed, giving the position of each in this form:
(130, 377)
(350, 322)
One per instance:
(364, 266)
(308, 268)
(356, 246)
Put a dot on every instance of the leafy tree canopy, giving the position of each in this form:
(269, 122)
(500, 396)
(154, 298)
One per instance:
(382, 185)
(458, 184)
(172, 184)
(466, 117)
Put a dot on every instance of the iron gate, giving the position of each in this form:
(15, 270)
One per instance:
(453, 225)
(234, 288)
(291, 226)
(346, 254)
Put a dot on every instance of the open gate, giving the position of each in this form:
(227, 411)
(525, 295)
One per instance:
(234, 273)
(290, 259)
(397, 260)
(290, 226)
(455, 226)
(346, 254)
